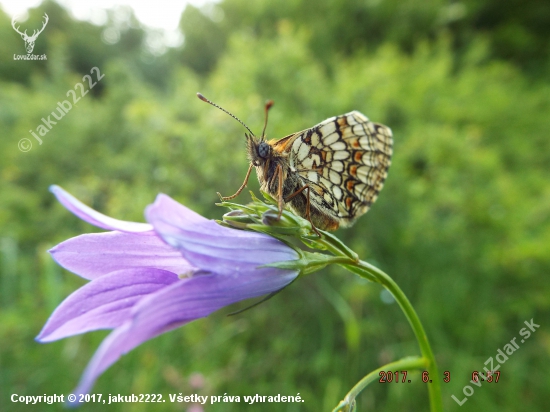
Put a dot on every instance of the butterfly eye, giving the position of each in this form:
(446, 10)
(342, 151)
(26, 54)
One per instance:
(263, 150)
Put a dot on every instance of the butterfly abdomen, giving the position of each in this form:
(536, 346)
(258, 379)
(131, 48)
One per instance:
(291, 185)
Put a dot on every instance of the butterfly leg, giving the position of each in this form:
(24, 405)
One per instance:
(280, 201)
(308, 210)
(224, 198)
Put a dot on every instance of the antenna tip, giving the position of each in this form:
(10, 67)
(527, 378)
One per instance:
(200, 96)
(269, 104)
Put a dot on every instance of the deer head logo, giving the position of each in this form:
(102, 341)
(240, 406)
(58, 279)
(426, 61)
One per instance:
(29, 40)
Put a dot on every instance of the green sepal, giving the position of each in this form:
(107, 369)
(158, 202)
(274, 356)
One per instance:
(309, 262)
(235, 206)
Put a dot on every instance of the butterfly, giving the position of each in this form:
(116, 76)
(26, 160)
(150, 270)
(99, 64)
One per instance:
(329, 174)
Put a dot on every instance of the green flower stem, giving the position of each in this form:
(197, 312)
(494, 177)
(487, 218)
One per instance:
(361, 272)
(336, 246)
(368, 271)
(408, 363)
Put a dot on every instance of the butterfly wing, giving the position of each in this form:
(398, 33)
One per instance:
(344, 160)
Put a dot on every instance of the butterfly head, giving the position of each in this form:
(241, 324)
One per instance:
(258, 150)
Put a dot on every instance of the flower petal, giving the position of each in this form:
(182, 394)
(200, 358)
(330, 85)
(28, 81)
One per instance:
(93, 217)
(210, 246)
(96, 254)
(177, 304)
(104, 303)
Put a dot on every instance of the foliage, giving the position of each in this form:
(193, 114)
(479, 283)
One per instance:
(513, 31)
(462, 224)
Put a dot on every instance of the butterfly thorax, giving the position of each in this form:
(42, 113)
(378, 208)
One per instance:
(265, 159)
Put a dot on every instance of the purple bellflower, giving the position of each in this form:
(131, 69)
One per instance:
(147, 279)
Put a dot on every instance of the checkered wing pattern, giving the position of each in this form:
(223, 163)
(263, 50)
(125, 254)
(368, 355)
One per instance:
(344, 160)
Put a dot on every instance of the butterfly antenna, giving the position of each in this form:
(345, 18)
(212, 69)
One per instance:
(204, 99)
(268, 106)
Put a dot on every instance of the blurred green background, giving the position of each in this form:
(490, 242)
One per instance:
(462, 225)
